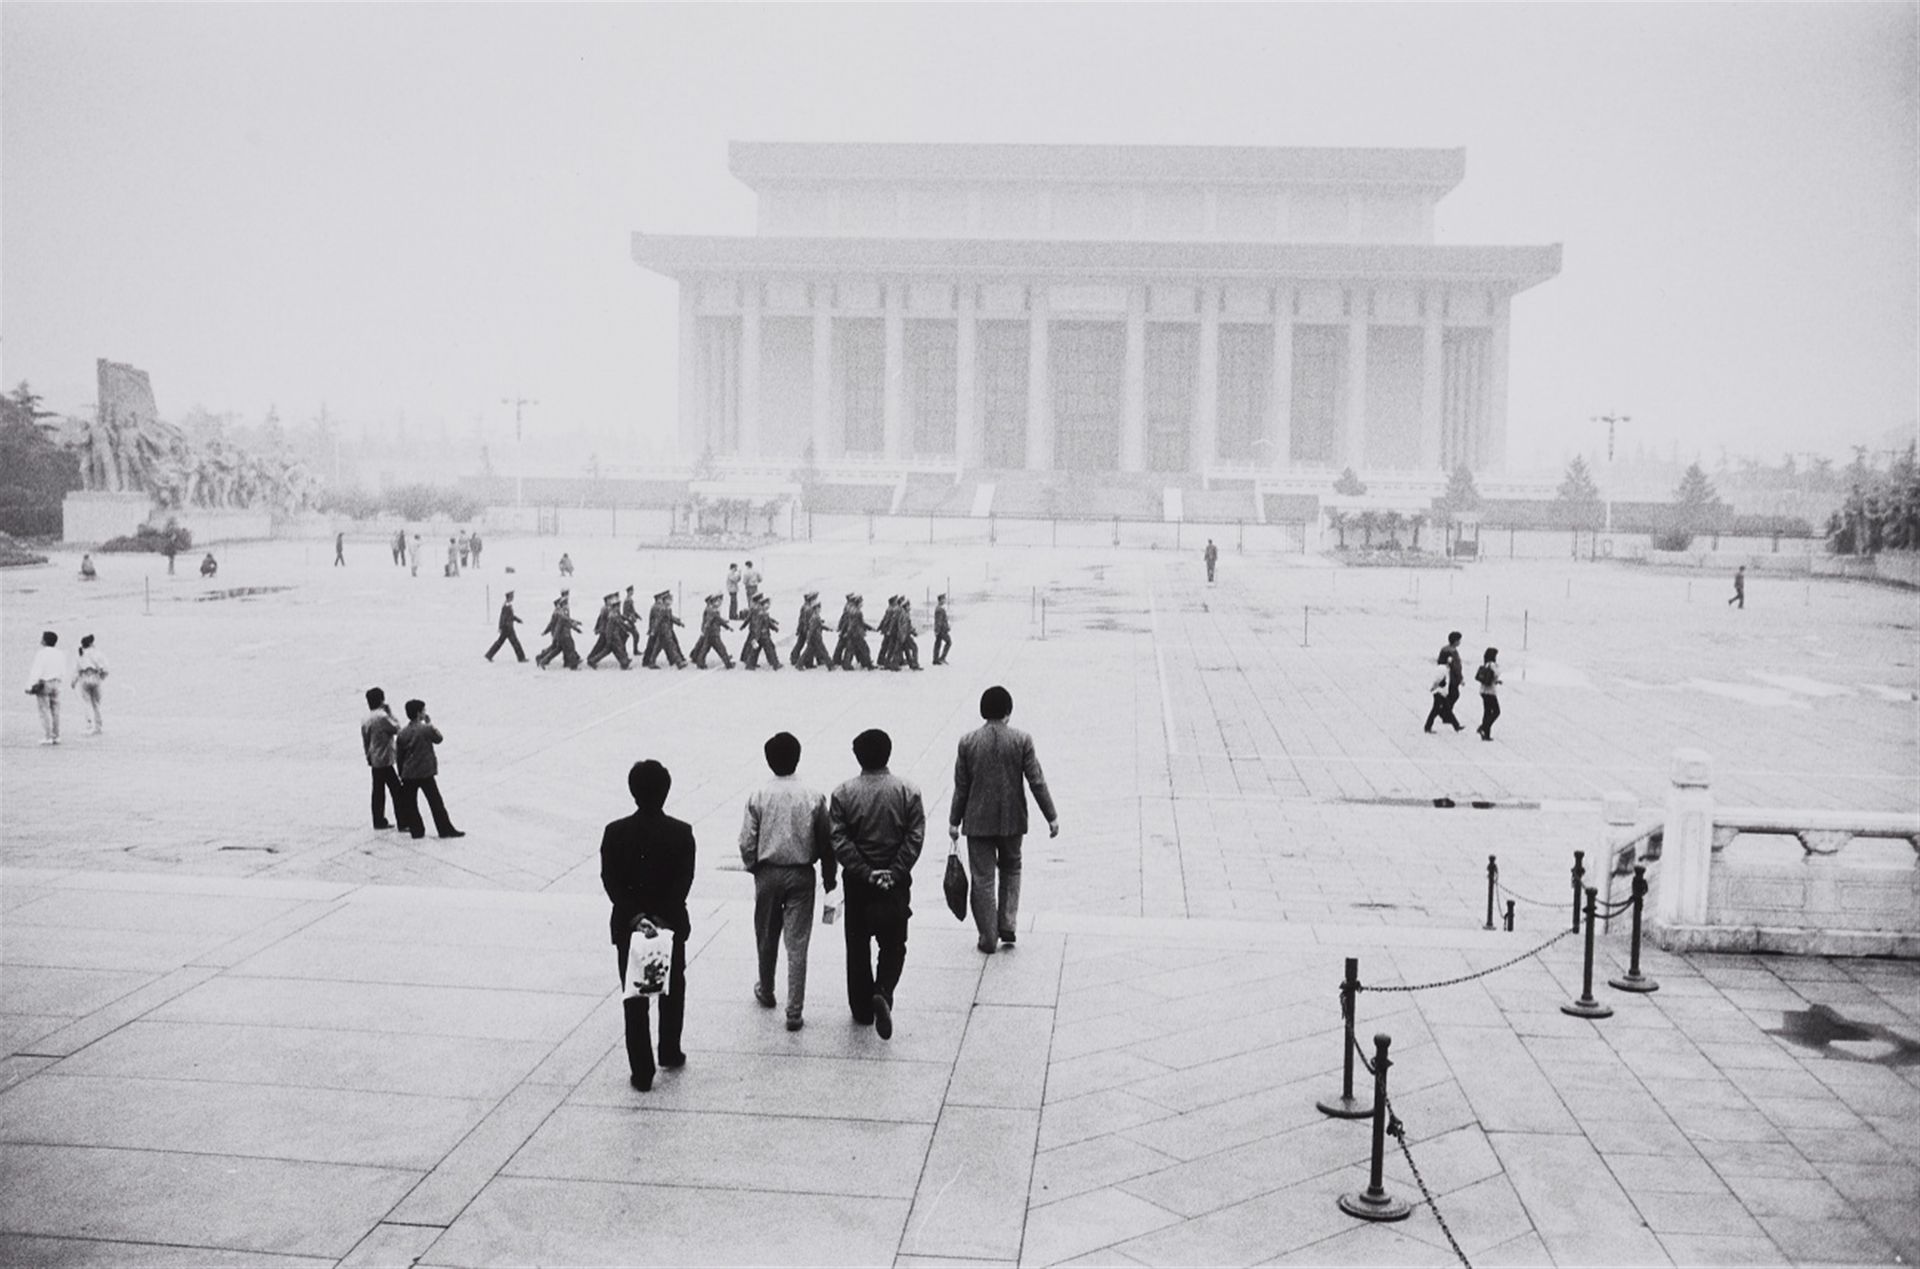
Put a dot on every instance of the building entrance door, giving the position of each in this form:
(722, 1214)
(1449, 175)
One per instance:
(1089, 368)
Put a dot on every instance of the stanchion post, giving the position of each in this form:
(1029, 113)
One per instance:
(1346, 1106)
(1586, 1006)
(1509, 916)
(1579, 880)
(1486, 615)
(1374, 1203)
(1043, 616)
(1633, 979)
(1493, 880)
(1526, 628)
(1304, 615)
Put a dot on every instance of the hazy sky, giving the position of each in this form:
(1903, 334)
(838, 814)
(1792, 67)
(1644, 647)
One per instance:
(425, 209)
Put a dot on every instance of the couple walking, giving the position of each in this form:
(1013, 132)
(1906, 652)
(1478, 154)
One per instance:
(1447, 683)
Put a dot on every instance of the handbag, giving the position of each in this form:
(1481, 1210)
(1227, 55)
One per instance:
(956, 884)
(649, 958)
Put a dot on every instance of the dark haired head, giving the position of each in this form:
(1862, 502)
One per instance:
(375, 698)
(783, 753)
(48, 638)
(86, 641)
(1491, 654)
(872, 748)
(1453, 636)
(996, 702)
(415, 708)
(649, 782)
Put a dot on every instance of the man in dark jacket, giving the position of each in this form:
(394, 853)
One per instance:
(377, 734)
(507, 622)
(646, 865)
(878, 826)
(942, 632)
(1442, 710)
(419, 769)
(991, 804)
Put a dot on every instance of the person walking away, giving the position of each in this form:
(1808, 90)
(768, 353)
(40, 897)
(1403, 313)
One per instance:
(379, 734)
(1437, 689)
(1739, 587)
(89, 673)
(646, 867)
(942, 632)
(1443, 705)
(990, 806)
(1488, 677)
(473, 544)
(340, 550)
(48, 672)
(711, 624)
(733, 592)
(878, 826)
(507, 636)
(1213, 558)
(398, 547)
(784, 833)
(420, 769)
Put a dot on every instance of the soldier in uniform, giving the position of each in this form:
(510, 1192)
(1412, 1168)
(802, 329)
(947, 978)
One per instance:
(711, 624)
(612, 632)
(655, 614)
(942, 640)
(507, 622)
(630, 618)
(802, 624)
(662, 639)
(856, 629)
(560, 628)
(760, 628)
(888, 657)
(905, 647)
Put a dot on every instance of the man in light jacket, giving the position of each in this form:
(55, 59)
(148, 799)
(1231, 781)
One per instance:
(991, 805)
(784, 831)
(378, 732)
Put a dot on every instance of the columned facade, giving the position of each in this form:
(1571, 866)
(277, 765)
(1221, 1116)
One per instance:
(1089, 322)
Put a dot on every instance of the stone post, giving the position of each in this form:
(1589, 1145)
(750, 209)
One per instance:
(1686, 854)
(1617, 812)
(893, 399)
(749, 443)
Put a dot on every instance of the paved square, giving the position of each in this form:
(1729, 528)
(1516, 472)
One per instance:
(242, 1025)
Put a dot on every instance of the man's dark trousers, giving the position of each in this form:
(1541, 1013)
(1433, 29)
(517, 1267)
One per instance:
(942, 644)
(386, 780)
(507, 636)
(413, 789)
(673, 1013)
(874, 916)
(1442, 710)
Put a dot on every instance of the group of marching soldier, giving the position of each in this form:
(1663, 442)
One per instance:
(617, 628)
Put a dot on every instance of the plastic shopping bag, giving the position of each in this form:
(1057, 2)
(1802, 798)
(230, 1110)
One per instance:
(649, 959)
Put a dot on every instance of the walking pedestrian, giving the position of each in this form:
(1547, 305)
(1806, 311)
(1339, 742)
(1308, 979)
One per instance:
(473, 543)
(453, 557)
(48, 672)
(399, 547)
(760, 628)
(711, 624)
(420, 769)
(942, 632)
(340, 550)
(878, 826)
(1739, 587)
(559, 632)
(1212, 557)
(784, 833)
(466, 547)
(507, 636)
(990, 806)
(646, 867)
(1449, 696)
(610, 637)
(90, 671)
(416, 555)
(733, 592)
(1488, 677)
(378, 736)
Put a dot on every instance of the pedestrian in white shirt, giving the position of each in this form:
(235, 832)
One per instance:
(784, 833)
(90, 670)
(43, 682)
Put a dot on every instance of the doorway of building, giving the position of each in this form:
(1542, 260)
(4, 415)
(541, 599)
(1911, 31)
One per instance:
(1089, 368)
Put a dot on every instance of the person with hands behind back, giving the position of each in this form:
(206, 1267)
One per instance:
(646, 866)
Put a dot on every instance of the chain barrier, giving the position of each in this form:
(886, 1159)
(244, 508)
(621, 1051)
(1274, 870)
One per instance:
(1467, 978)
(1537, 903)
(1398, 1131)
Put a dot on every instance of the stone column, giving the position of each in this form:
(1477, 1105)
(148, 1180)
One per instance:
(824, 441)
(968, 446)
(1494, 452)
(1356, 438)
(893, 401)
(1133, 418)
(749, 446)
(1280, 397)
(1686, 849)
(693, 418)
(1206, 387)
(1432, 370)
(1039, 384)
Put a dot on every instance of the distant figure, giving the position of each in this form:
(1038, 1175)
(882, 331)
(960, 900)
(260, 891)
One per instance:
(1739, 586)
(1449, 694)
(507, 622)
(453, 557)
(733, 592)
(340, 550)
(646, 867)
(43, 683)
(416, 555)
(209, 566)
(171, 549)
(419, 769)
(1212, 557)
(942, 636)
(566, 565)
(87, 571)
(466, 548)
(474, 544)
(878, 826)
(90, 671)
(711, 624)
(751, 580)
(1488, 677)
(785, 831)
(378, 733)
(990, 805)
(559, 632)
(399, 546)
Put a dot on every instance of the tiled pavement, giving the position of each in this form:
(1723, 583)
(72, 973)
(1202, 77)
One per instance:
(244, 1032)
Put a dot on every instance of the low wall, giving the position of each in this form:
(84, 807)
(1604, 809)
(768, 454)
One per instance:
(1230, 537)
(1902, 567)
(1733, 879)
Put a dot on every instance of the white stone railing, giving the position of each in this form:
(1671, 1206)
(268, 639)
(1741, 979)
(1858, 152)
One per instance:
(1833, 883)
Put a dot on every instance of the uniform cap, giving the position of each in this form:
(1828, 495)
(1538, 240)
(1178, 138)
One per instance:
(509, 594)
(663, 594)
(812, 594)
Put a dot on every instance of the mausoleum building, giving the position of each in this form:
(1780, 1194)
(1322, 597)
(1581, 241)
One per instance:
(1213, 311)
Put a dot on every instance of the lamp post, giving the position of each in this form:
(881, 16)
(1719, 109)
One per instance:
(519, 451)
(1613, 421)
